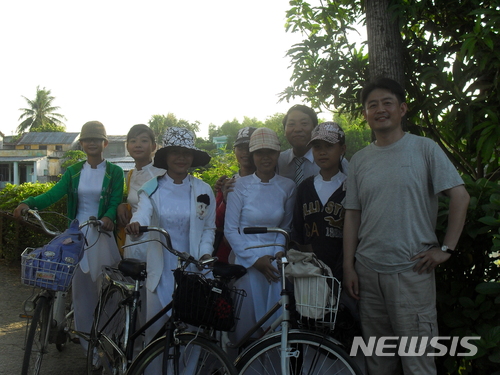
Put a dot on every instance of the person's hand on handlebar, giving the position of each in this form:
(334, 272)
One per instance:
(18, 212)
(107, 224)
(264, 266)
(204, 257)
(279, 256)
(133, 228)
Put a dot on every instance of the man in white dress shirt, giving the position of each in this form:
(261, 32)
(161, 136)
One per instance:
(297, 162)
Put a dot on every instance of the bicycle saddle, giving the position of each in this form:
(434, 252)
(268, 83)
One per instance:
(133, 268)
(228, 271)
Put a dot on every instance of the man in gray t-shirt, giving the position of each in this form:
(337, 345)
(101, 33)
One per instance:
(391, 212)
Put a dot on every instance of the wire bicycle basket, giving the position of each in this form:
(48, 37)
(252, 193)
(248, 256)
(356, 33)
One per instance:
(317, 302)
(44, 273)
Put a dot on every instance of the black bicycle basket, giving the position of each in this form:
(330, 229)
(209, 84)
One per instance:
(206, 302)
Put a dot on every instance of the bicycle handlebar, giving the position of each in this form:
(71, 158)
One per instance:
(259, 230)
(254, 230)
(184, 256)
(34, 213)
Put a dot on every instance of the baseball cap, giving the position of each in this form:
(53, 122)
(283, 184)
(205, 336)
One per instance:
(244, 135)
(330, 132)
(264, 138)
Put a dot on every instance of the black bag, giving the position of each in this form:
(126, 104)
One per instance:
(204, 302)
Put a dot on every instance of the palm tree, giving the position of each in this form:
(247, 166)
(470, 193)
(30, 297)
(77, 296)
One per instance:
(40, 112)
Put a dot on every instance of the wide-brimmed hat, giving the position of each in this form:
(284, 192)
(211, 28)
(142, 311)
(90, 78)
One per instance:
(93, 129)
(330, 132)
(180, 137)
(264, 138)
(244, 135)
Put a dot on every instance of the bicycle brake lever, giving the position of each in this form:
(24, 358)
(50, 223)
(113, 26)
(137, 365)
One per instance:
(102, 231)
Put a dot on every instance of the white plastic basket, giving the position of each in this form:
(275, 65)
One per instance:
(44, 273)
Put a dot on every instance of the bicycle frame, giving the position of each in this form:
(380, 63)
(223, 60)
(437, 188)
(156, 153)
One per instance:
(131, 332)
(284, 319)
(46, 308)
(57, 299)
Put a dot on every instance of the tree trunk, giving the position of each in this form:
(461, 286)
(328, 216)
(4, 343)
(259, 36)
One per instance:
(385, 48)
(384, 41)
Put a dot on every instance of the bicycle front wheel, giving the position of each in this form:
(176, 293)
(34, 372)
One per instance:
(309, 354)
(194, 355)
(38, 338)
(109, 334)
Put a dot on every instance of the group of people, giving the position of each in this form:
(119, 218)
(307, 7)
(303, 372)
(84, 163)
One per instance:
(372, 220)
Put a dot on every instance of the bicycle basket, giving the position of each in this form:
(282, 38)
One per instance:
(316, 291)
(316, 301)
(44, 273)
(206, 302)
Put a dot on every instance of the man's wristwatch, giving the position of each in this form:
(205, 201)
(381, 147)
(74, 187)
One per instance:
(447, 250)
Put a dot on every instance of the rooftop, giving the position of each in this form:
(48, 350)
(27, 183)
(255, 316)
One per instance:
(48, 138)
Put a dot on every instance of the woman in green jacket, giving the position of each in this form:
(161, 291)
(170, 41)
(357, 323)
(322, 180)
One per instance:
(94, 188)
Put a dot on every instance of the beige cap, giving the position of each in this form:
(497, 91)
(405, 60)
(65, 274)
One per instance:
(93, 129)
(264, 138)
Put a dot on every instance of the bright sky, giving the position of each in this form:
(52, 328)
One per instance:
(120, 62)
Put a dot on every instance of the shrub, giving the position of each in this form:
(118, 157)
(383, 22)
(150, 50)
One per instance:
(15, 235)
(468, 292)
(222, 163)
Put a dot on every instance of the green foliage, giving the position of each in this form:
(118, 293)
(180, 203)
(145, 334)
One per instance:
(16, 236)
(454, 90)
(468, 293)
(221, 164)
(355, 140)
(40, 113)
(451, 58)
(357, 133)
(230, 129)
(328, 66)
(206, 145)
(73, 156)
(48, 128)
(160, 123)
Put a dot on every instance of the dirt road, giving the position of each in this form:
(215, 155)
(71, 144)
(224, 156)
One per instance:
(12, 329)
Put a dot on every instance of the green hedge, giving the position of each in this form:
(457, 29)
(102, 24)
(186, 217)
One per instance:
(15, 235)
(468, 286)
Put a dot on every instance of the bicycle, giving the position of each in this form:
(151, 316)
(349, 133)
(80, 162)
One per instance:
(48, 311)
(114, 331)
(294, 350)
